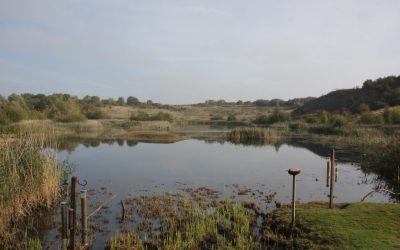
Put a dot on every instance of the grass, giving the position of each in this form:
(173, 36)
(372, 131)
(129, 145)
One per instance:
(176, 222)
(247, 135)
(29, 178)
(356, 226)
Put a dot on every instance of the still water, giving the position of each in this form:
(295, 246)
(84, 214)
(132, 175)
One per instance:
(118, 169)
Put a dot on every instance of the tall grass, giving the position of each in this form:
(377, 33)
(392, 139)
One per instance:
(29, 176)
(186, 224)
(253, 135)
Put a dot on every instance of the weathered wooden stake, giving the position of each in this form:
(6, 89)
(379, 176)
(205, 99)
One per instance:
(73, 198)
(294, 172)
(71, 230)
(332, 183)
(64, 220)
(328, 172)
(84, 217)
(336, 174)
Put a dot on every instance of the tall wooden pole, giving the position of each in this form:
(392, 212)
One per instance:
(332, 178)
(73, 198)
(84, 217)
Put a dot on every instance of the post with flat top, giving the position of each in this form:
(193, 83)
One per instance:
(294, 172)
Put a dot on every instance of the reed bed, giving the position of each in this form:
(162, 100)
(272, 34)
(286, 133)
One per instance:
(245, 135)
(177, 222)
(29, 177)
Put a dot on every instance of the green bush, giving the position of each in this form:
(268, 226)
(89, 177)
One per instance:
(371, 118)
(338, 121)
(231, 118)
(261, 119)
(278, 116)
(16, 113)
(395, 116)
(96, 113)
(216, 117)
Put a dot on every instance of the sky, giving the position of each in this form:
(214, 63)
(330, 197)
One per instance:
(187, 51)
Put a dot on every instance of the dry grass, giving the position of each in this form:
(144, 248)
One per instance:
(182, 113)
(29, 176)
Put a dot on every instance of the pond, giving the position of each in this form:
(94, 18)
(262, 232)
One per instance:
(116, 169)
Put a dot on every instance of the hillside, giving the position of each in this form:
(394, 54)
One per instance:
(376, 94)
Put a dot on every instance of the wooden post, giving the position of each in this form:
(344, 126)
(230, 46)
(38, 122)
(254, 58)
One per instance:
(336, 173)
(71, 230)
(332, 183)
(328, 172)
(73, 198)
(294, 172)
(64, 220)
(84, 217)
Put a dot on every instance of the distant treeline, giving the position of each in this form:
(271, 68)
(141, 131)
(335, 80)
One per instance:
(378, 94)
(296, 102)
(60, 107)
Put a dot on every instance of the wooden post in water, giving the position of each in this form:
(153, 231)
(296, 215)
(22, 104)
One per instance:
(332, 183)
(84, 217)
(73, 198)
(71, 230)
(328, 173)
(64, 220)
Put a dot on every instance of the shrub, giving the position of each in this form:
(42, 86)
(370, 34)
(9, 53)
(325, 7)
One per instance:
(231, 118)
(278, 116)
(371, 118)
(15, 113)
(215, 117)
(261, 119)
(338, 121)
(96, 113)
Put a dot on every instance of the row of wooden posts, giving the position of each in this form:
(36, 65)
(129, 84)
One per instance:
(331, 178)
(68, 217)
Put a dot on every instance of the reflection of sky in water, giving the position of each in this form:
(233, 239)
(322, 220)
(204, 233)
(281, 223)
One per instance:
(130, 168)
(160, 168)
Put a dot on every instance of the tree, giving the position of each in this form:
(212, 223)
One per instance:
(132, 101)
(121, 101)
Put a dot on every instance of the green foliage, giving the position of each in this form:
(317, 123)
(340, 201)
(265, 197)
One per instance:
(391, 116)
(92, 112)
(132, 101)
(356, 226)
(324, 117)
(231, 118)
(363, 108)
(371, 118)
(121, 101)
(216, 117)
(15, 112)
(261, 119)
(337, 121)
(278, 116)
(65, 110)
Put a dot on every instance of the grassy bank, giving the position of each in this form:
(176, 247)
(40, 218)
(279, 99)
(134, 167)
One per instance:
(29, 179)
(356, 226)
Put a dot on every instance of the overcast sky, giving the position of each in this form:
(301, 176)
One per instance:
(188, 51)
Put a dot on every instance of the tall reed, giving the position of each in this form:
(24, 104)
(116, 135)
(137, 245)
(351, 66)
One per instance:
(29, 175)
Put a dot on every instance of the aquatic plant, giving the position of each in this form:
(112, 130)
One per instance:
(29, 177)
